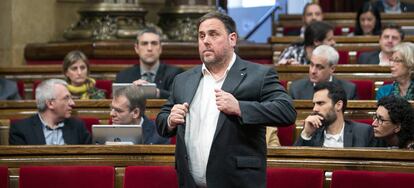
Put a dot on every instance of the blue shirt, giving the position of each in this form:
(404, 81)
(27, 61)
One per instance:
(53, 136)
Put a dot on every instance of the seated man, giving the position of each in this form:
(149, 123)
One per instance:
(53, 124)
(8, 90)
(391, 35)
(321, 69)
(150, 69)
(326, 125)
(311, 12)
(128, 108)
(317, 33)
(393, 123)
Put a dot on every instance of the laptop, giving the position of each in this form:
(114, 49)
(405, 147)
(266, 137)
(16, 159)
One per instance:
(150, 89)
(117, 134)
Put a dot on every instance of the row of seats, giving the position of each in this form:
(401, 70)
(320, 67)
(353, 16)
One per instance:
(365, 88)
(166, 177)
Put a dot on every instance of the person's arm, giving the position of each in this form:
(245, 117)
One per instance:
(162, 120)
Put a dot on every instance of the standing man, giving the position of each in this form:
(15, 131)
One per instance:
(128, 108)
(322, 67)
(391, 35)
(327, 127)
(149, 70)
(219, 111)
(53, 124)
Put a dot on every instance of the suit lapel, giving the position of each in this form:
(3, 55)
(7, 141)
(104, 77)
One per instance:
(37, 130)
(234, 77)
(67, 132)
(347, 135)
(160, 74)
(191, 84)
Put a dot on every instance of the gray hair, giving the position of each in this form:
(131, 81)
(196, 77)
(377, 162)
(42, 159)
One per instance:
(135, 96)
(45, 92)
(327, 52)
(406, 49)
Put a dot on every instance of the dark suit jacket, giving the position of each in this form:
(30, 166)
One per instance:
(164, 77)
(150, 133)
(29, 132)
(238, 151)
(405, 7)
(355, 135)
(369, 58)
(8, 90)
(303, 88)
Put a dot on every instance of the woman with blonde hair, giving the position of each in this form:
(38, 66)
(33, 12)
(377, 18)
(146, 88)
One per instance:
(402, 69)
(76, 71)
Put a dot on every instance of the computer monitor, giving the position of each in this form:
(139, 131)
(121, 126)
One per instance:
(117, 134)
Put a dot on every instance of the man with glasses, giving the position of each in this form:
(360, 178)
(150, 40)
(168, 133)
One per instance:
(321, 69)
(128, 108)
(53, 124)
(327, 127)
(150, 69)
(393, 123)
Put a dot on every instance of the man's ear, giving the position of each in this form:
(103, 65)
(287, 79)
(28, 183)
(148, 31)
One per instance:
(136, 48)
(136, 113)
(233, 39)
(339, 106)
(49, 104)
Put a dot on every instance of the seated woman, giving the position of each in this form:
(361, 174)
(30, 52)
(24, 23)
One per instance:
(368, 21)
(76, 71)
(402, 67)
(317, 33)
(393, 123)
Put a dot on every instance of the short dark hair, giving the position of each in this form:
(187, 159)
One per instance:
(395, 27)
(228, 22)
(135, 96)
(335, 92)
(316, 31)
(368, 7)
(308, 5)
(400, 112)
(152, 30)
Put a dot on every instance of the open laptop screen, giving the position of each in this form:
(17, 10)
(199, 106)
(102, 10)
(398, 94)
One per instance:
(117, 134)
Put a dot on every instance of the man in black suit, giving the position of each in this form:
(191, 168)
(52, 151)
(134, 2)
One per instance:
(326, 125)
(391, 35)
(219, 111)
(322, 67)
(53, 124)
(128, 108)
(149, 70)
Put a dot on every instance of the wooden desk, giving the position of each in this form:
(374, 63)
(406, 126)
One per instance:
(121, 156)
(354, 40)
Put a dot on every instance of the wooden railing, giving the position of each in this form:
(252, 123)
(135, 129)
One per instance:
(328, 159)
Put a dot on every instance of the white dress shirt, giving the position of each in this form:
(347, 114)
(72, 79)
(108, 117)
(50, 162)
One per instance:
(329, 140)
(201, 123)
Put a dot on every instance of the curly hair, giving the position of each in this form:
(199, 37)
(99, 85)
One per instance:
(400, 112)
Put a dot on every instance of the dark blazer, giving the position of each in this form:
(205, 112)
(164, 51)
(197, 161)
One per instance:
(164, 77)
(303, 88)
(369, 58)
(8, 90)
(405, 7)
(238, 151)
(151, 136)
(355, 135)
(29, 132)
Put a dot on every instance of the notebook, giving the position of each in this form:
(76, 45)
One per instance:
(150, 89)
(117, 134)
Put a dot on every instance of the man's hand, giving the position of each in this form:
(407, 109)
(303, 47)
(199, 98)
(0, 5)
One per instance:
(312, 123)
(177, 115)
(227, 103)
(140, 82)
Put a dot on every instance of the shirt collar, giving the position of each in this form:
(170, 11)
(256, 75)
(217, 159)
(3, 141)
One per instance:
(337, 137)
(153, 69)
(204, 69)
(44, 124)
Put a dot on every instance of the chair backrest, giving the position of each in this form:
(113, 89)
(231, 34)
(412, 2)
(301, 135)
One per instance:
(150, 177)
(343, 57)
(67, 177)
(35, 84)
(365, 179)
(366, 121)
(365, 89)
(106, 86)
(89, 121)
(295, 177)
(4, 177)
(20, 88)
(285, 135)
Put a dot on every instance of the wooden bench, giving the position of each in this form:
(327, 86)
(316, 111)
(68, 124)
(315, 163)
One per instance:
(327, 159)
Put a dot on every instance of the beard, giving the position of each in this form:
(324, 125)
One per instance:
(329, 118)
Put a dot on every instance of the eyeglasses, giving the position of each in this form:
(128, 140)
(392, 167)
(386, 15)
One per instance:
(379, 119)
